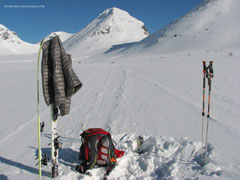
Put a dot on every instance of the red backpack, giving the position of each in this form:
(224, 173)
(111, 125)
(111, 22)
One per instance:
(97, 150)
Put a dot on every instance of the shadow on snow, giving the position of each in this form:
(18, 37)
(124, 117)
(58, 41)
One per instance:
(21, 166)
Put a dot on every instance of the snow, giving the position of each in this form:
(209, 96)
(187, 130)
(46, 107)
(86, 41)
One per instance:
(11, 44)
(154, 95)
(213, 25)
(160, 101)
(113, 26)
(62, 35)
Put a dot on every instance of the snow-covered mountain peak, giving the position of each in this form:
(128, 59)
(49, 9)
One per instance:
(8, 36)
(113, 26)
(10, 43)
(117, 21)
(113, 11)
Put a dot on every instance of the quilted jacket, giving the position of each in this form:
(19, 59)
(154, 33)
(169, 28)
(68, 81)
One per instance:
(59, 80)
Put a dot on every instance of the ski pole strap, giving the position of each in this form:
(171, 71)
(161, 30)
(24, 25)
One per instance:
(209, 70)
(209, 73)
(204, 67)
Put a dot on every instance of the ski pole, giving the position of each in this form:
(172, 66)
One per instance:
(203, 108)
(204, 85)
(38, 114)
(209, 76)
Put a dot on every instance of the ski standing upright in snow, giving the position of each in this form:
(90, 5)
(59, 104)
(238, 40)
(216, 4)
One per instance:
(55, 143)
(207, 74)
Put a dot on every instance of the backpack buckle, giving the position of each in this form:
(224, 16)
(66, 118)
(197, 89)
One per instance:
(113, 159)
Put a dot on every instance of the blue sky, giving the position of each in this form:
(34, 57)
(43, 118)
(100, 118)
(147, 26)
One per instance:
(32, 24)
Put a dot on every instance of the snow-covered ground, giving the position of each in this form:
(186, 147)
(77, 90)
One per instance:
(159, 99)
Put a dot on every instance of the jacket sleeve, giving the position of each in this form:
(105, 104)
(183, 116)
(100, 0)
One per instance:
(72, 82)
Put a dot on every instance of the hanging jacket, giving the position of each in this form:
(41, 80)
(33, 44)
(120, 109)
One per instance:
(58, 78)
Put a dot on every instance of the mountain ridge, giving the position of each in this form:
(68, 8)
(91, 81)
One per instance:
(213, 25)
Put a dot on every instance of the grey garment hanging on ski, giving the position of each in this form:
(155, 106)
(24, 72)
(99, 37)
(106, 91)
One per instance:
(59, 80)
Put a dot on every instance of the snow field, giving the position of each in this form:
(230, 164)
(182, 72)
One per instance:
(160, 101)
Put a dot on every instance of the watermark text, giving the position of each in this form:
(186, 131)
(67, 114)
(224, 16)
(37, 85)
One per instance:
(24, 6)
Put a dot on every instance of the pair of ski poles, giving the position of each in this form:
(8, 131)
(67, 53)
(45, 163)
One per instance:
(207, 74)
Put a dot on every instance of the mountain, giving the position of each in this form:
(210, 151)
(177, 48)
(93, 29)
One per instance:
(213, 25)
(111, 27)
(62, 35)
(10, 43)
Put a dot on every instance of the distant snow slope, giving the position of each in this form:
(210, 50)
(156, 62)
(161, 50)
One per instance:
(10, 43)
(213, 25)
(62, 35)
(113, 26)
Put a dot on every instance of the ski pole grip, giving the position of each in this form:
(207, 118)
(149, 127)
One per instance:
(204, 66)
(211, 68)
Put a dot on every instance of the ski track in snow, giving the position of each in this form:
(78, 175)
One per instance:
(118, 97)
(164, 87)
